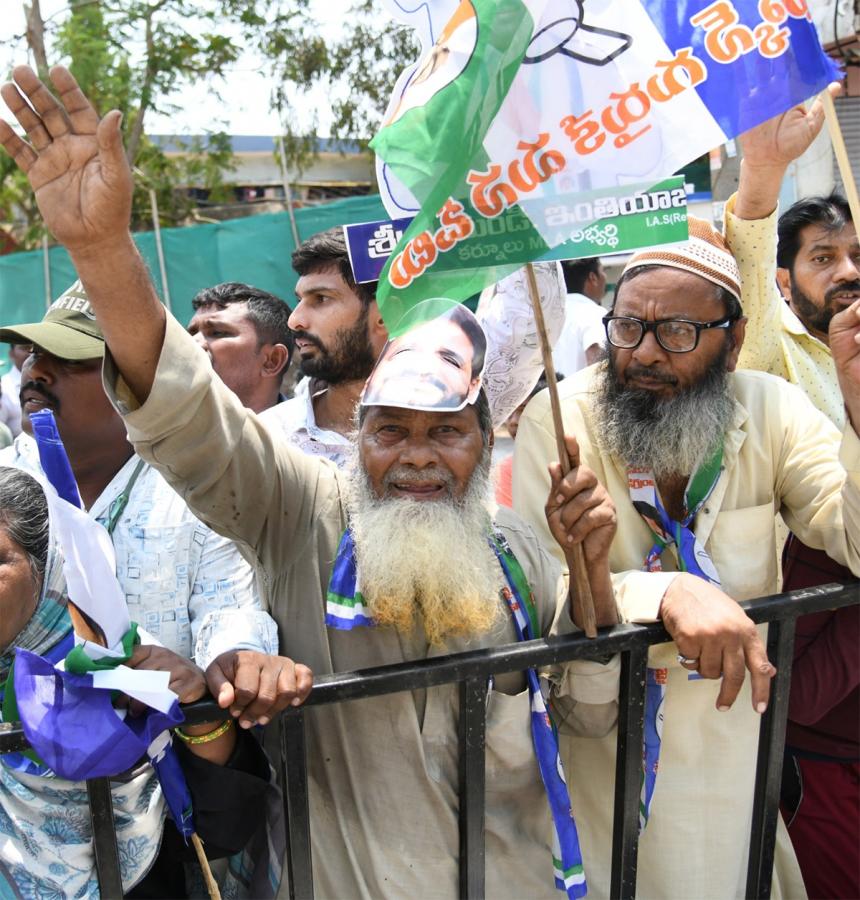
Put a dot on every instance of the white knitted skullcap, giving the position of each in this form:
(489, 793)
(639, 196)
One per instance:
(705, 253)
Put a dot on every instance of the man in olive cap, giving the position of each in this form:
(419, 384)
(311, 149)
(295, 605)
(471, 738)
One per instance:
(186, 585)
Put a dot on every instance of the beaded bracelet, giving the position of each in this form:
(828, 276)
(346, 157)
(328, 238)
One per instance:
(223, 728)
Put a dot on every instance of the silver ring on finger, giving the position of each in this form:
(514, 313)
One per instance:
(693, 661)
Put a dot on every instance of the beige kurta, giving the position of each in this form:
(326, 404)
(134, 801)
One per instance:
(383, 771)
(780, 454)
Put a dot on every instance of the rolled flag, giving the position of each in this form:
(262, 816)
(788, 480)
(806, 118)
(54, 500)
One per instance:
(522, 109)
(52, 455)
(73, 725)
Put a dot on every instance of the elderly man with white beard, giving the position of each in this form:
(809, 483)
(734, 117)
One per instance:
(698, 458)
(399, 562)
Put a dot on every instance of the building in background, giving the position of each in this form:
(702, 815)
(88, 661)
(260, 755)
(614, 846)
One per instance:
(338, 169)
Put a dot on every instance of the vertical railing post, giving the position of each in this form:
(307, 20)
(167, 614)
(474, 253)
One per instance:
(771, 748)
(294, 779)
(104, 838)
(628, 774)
(473, 726)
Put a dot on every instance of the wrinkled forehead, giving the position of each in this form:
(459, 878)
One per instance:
(213, 312)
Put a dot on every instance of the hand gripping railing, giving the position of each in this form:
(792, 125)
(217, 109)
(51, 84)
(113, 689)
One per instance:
(470, 671)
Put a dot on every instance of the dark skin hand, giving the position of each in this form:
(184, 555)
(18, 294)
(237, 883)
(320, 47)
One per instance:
(579, 510)
(189, 684)
(256, 686)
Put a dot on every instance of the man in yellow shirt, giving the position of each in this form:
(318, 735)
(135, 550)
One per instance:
(791, 294)
(816, 265)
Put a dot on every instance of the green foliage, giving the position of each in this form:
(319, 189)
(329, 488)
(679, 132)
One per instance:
(357, 68)
(176, 42)
(136, 55)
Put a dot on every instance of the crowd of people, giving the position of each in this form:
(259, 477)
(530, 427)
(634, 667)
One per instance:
(263, 540)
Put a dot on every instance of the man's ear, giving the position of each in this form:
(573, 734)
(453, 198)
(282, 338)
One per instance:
(783, 279)
(377, 333)
(738, 331)
(275, 360)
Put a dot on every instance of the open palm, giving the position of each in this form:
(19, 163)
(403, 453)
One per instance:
(74, 161)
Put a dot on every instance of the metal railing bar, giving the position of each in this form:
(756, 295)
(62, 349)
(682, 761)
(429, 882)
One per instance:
(473, 668)
(299, 862)
(771, 746)
(104, 838)
(472, 765)
(512, 658)
(628, 773)
(418, 674)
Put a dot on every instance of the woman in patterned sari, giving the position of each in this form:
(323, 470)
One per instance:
(45, 833)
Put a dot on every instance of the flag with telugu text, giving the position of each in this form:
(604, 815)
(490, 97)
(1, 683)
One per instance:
(548, 118)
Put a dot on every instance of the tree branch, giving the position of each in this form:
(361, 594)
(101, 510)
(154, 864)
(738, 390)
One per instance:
(36, 37)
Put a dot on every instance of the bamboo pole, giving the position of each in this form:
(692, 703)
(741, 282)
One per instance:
(288, 194)
(211, 884)
(46, 271)
(156, 227)
(579, 571)
(841, 155)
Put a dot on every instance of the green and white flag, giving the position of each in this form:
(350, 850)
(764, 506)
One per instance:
(525, 104)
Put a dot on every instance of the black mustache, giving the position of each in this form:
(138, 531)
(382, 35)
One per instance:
(305, 336)
(36, 387)
(851, 286)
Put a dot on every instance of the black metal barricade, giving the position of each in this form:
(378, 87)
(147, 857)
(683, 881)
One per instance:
(471, 672)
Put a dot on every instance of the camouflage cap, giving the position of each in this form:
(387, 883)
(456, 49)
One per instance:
(69, 329)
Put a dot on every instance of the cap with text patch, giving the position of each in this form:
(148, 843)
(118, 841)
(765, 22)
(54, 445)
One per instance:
(69, 329)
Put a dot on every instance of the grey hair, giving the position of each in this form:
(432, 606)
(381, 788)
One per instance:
(24, 515)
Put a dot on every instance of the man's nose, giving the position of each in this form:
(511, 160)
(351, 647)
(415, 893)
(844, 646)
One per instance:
(298, 320)
(418, 452)
(848, 269)
(38, 367)
(649, 350)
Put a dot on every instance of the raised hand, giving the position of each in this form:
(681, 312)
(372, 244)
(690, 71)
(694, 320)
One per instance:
(784, 138)
(845, 347)
(768, 149)
(75, 162)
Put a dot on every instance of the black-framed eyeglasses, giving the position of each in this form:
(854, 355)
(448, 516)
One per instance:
(673, 335)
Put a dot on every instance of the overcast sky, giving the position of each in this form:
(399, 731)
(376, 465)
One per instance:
(245, 92)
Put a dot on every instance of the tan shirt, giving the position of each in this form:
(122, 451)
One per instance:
(776, 340)
(383, 770)
(780, 454)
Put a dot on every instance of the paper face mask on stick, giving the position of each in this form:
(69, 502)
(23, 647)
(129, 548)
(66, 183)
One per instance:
(436, 365)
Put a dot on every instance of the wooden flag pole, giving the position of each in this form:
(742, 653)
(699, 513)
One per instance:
(579, 571)
(841, 155)
(211, 884)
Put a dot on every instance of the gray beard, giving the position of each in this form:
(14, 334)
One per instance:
(668, 437)
(426, 561)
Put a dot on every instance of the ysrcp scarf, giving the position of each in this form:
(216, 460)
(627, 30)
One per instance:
(346, 609)
(691, 557)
